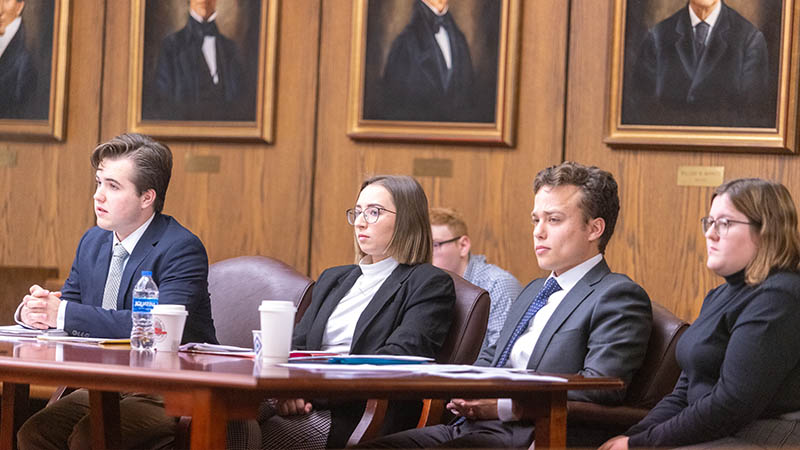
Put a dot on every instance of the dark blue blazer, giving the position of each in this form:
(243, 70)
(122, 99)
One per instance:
(179, 264)
(725, 86)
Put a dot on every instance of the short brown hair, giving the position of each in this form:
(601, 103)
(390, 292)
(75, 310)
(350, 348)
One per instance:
(770, 209)
(600, 197)
(450, 218)
(411, 241)
(153, 162)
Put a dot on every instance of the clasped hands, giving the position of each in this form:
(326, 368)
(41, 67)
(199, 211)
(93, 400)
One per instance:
(474, 409)
(40, 308)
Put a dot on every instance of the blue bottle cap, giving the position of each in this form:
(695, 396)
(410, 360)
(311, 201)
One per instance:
(147, 273)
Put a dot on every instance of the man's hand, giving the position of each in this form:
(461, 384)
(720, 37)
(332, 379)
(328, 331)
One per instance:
(481, 409)
(40, 308)
(293, 407)
(616, 443)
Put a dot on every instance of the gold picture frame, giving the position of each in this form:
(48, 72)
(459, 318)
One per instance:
(737, 91)
(160, 83)
(383, 104)
(40, 50)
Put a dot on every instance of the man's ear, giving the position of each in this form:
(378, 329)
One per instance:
(464, 245)
(596, 228)
(148, 198)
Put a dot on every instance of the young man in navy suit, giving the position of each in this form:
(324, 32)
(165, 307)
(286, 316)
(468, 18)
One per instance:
(581, 319)
(132, 176)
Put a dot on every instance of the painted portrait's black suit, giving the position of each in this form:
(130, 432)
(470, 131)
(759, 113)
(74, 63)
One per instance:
(184, 88)
(725, 85)
(416, 83)
(17, 80)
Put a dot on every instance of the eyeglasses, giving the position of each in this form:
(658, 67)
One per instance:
(371, 214)
(438, 245)
(721, 225)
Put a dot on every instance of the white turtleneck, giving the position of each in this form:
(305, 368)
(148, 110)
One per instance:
(342, 322)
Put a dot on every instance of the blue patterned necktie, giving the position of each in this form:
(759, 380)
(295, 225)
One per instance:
(550, 286)
(111, 290)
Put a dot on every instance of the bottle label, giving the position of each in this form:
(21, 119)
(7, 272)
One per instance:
(144, 305)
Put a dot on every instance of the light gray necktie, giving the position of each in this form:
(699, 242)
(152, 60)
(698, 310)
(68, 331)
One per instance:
(111, 290)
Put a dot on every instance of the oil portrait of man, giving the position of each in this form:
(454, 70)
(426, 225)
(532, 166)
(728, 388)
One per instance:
(201, 60)
(431, 60)
(701, 63)
(26, 46)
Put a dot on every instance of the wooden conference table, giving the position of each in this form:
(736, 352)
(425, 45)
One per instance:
(213, 389)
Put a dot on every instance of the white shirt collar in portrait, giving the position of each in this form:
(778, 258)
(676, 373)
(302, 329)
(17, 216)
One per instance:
(11, 31)
(442, 38)
(209, 47)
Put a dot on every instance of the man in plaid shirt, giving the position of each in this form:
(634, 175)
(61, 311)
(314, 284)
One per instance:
(451, 251)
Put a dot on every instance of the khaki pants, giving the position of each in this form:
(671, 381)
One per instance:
(65, 424)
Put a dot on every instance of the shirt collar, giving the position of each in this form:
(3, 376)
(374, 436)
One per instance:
(570, 278)
(11, 31)
(199, 19)
(474, 260)
(386, 265)
(710, 20)
(129, 243)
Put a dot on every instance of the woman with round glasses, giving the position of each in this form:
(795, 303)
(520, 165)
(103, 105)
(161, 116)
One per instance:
(392, 301)
(740, 360)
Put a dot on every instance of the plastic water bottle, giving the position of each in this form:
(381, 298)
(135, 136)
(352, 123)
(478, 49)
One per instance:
(145, 297)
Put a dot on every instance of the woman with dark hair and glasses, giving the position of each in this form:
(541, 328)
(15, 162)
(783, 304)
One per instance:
(740, 360)
(392, 301)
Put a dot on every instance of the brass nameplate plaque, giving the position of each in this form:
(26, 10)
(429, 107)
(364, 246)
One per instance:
(202, 163)
(432, 167)
(8, 158)
(700, 175)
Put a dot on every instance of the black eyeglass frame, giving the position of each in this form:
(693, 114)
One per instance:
(439, 244)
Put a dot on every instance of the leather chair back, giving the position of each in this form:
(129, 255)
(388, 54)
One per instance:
(470, 318)
(659, 372)
(238, 285)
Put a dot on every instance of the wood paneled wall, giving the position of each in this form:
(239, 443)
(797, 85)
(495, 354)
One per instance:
(287, 199)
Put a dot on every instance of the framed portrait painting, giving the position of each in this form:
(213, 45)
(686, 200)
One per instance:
(203, 69)
(434, 70)
(704, 74)
(33, 68)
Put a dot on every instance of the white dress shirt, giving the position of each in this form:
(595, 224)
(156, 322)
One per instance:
(522, 349)
(341, 324)
(11, 31)
(442, 38)
(209, 47)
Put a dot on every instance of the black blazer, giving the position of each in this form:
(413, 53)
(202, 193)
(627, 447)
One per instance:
(409, 315)
(725, 87)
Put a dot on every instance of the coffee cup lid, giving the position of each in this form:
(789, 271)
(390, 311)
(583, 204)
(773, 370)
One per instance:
(169, 309)
(276, 305)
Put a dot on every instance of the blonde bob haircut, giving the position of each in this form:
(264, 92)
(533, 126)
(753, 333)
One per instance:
(770, 209)
(411, 241)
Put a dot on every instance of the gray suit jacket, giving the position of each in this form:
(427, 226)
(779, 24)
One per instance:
(601, 328)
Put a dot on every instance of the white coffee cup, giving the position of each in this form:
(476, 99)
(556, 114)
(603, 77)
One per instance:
(168, 321)
(277, 324)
